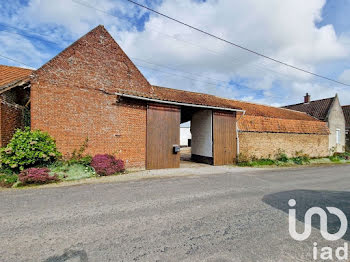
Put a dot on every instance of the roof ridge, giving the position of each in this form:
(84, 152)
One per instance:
(333, 97)
(244, 102)
(230, 99)
(185, 91)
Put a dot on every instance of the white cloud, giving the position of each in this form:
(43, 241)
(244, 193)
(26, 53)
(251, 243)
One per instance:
(345, 76)
(19, 49)
(284, 30)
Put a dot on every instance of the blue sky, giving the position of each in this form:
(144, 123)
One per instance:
(313, 34)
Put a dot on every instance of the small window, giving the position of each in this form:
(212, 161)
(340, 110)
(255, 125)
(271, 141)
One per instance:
(338, 134)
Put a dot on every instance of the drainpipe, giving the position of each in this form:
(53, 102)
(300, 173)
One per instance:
(237, 129)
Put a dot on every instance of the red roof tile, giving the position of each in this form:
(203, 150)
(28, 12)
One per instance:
(265, 124)
(170, 94)
(258, 118)
(11, 74)
(181, 96)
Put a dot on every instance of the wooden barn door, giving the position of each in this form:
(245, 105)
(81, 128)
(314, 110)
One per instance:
(163, 132)
(224, 138)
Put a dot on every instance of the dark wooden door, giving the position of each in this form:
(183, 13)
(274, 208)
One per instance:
(163, 132)
(224, 138)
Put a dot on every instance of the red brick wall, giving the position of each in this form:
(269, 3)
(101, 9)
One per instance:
(11, 119)
(72, 97)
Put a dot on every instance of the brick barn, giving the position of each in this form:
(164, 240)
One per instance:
(93, 90)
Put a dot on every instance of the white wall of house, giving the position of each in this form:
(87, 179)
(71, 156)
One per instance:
(336, 124)
(202, 133)
(185, 134)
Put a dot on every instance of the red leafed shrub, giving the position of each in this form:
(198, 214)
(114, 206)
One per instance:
(37, 176)
(106, 165)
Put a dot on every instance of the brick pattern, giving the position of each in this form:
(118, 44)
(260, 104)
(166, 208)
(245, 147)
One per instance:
(72, 98)
(266, 145)
(11, 119)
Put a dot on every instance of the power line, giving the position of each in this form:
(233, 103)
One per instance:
(198, 75)
(175, 69)
(14, 60)
(199, 80)
(171, 68)
(257, 66)
(26, 35)
(260, 67)
(237, 45)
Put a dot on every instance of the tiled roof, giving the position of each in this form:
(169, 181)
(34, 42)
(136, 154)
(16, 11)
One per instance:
(276, 125)
(318, 108)
(175, 95)
(346, 110)
(250, 108)
(258, 118)
(10, 75)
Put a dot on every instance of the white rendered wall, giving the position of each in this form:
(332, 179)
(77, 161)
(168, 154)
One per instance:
(185, 134)
(202, 134)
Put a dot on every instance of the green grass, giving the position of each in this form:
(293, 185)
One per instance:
(260, 162)
(68, 172)
(293, 162)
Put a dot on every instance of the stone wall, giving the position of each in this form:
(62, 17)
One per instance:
(267, 145)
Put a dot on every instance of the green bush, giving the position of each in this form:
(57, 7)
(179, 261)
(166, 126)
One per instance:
(27, 149)
(8, 180)
(260, 162)
(342, 156)
(6, 171)
(335, 158)
(85, 161)
(282, 156)
(301, 160)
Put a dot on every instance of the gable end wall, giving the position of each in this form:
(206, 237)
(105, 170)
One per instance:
(72, 98)
(336, 120)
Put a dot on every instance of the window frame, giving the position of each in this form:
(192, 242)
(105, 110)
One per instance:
(337, 136)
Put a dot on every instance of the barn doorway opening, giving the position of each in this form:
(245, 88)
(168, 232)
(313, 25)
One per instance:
(196, 135)
(185, 141)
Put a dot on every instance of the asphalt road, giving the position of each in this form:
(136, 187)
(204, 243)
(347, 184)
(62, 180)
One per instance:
(235, 216)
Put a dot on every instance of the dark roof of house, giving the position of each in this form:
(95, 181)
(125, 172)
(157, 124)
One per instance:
(346, 110)
(318, 108)
(10, 75)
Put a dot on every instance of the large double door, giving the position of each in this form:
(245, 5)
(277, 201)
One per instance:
(224, 138)
(163, 133)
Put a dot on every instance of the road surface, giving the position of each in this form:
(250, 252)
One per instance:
(233, 216)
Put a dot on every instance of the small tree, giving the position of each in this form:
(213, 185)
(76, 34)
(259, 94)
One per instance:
(27, 149)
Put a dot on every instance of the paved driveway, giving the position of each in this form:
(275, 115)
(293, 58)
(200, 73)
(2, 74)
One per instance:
(231, 216)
